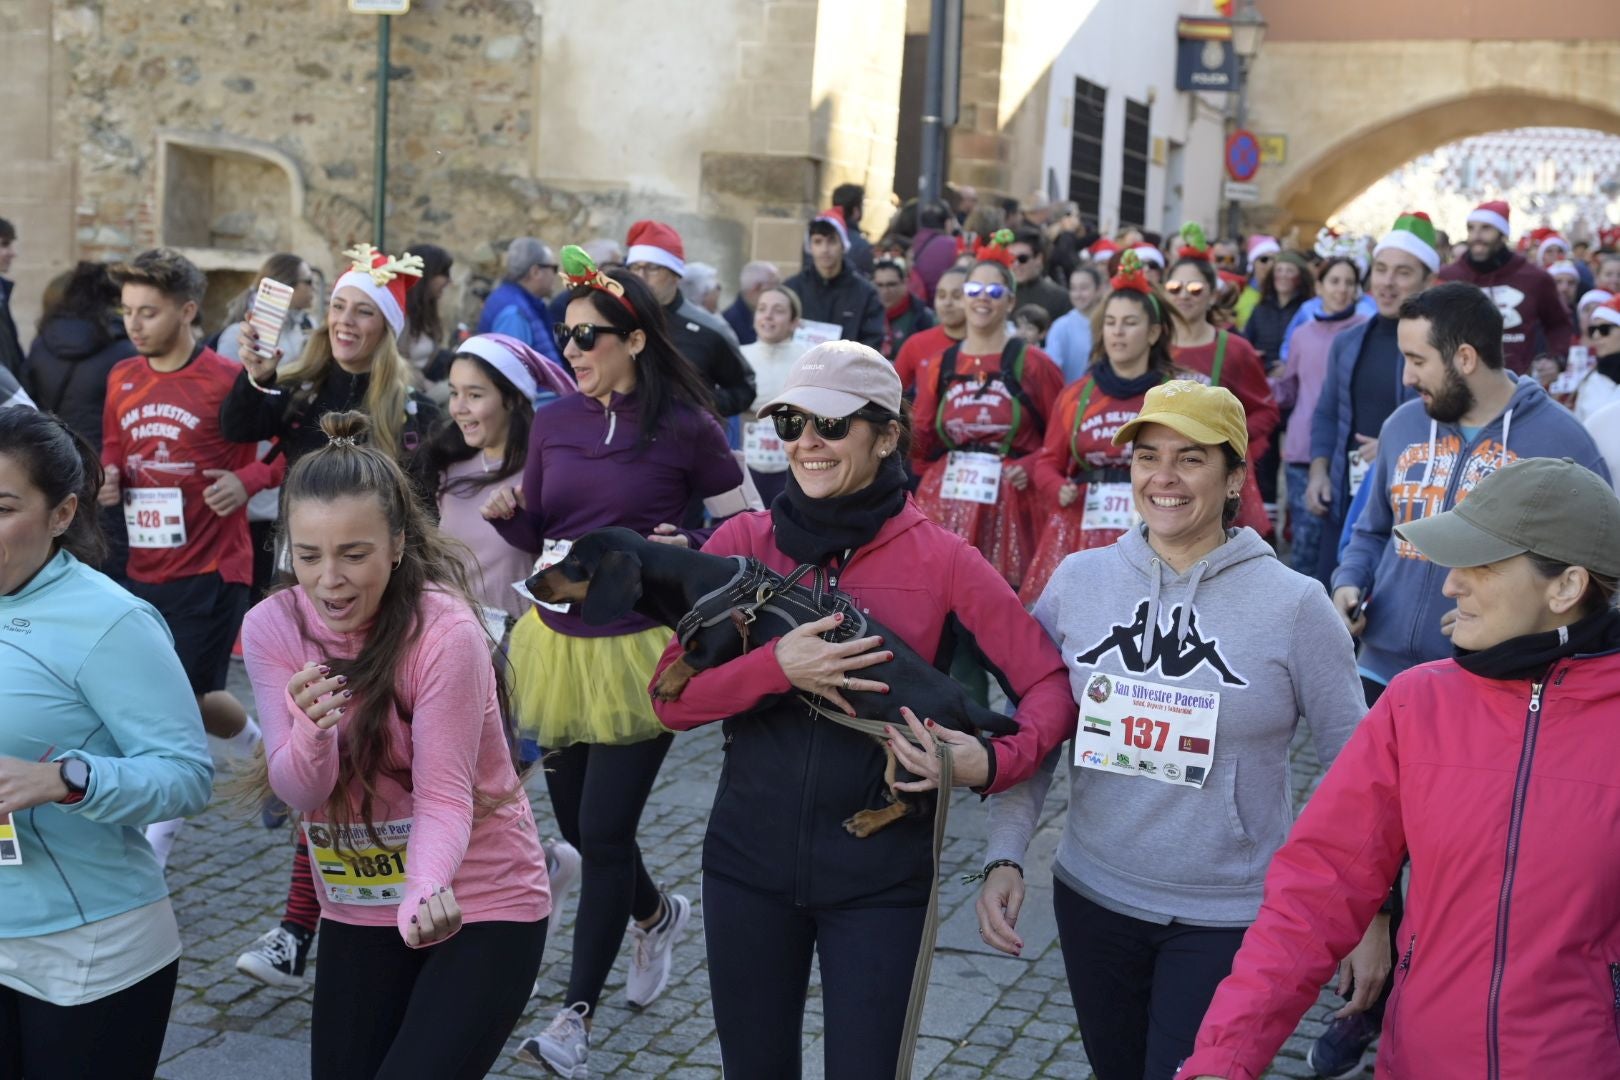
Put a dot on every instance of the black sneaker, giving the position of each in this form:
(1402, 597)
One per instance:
(1338, 1053)
(277, 958)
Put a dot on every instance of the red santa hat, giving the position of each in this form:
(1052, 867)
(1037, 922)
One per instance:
(1261, 246)
(833, 216)
(656, 243)
(383, 278)
(1607, 312)
(1552, 241)
(1149, 254)
(1609, 237)
(1102, 250)
(1495, 214)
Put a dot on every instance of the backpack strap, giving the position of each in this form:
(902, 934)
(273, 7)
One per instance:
(1221, 337)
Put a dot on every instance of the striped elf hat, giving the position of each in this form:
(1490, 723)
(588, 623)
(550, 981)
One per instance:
(1412, 233)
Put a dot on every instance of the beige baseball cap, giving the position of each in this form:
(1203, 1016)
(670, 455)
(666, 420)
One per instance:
(837, 378)
(1550, 507)
(1208, 415)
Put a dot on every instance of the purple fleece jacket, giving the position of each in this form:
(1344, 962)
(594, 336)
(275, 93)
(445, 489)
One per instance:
(587, 469)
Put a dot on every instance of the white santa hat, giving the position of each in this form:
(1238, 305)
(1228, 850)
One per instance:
(1594, 296)
(1495, 214)
(1607, 312)
(1260, 246)
(1564, 268)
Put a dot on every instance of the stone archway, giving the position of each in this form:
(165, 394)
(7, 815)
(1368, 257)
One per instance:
(1320, 186)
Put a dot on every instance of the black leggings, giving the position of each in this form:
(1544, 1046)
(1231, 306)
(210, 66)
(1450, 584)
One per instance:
(386, 1011)
(1140, 989)
(598, 793)
(118, 1037)
(760, 949)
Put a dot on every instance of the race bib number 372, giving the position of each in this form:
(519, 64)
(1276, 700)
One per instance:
(1138, 728)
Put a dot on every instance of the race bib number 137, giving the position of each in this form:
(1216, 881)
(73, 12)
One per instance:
(1164, 733)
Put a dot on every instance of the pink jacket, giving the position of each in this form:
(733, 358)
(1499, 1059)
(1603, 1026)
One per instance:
(1506, 795)
(914, 575)
(454, 745)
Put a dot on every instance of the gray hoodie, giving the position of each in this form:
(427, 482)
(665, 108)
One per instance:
(1239, 623)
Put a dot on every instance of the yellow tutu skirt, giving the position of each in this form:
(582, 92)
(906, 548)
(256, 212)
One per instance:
(569, 690)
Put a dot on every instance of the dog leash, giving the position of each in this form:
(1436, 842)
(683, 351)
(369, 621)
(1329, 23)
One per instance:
(925, 951)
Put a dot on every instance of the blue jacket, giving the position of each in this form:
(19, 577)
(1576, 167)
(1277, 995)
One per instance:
(1425, 468)
(90, 672)
(1330, 424)
(1312, 309)
(512, 311)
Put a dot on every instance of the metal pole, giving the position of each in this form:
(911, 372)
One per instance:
(379, 167)
(931, 182)
(1234, 212)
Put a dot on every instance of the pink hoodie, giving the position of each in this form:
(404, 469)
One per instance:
(454, 744)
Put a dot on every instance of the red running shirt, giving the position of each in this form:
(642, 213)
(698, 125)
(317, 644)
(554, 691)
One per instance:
(161, 429)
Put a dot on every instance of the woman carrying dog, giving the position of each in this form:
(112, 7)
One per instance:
(633, 448)
(983, 412)
(382, 726)
(1082, 479)
(783, 880)
(1494, 772)
(1192, 653)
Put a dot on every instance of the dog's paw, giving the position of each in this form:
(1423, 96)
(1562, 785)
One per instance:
(864, 823)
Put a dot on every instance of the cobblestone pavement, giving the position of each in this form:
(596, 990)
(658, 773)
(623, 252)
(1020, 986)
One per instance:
(988, 1015)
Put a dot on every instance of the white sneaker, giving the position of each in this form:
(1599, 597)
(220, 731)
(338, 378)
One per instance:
(649, 967)
(562, 867)
(563, 1047)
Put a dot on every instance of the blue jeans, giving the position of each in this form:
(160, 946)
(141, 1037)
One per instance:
(1307, 527)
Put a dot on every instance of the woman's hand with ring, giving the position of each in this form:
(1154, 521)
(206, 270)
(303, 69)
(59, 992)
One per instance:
(970, 761)
(319, 694)
(823, 667)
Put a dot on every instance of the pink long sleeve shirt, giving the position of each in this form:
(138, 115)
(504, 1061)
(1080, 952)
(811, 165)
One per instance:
(454, 745)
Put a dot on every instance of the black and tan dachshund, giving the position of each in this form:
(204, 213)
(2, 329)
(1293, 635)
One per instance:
(611, 572)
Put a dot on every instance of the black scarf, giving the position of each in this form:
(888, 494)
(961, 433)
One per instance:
(1493, 262)
(815, 530)
(1530, 656)
(1121, 389)
(1609, 366)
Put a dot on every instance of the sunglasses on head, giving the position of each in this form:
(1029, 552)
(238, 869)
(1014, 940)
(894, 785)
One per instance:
(790, 423)
(584, 334)
(1603, 329)
(993, 289)
(1193, 288)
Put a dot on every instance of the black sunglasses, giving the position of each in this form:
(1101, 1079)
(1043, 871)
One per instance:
(790, 425)
(1602, 329)
(584, 334)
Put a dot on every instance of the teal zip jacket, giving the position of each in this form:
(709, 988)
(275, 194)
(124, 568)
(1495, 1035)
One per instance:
(89, 671)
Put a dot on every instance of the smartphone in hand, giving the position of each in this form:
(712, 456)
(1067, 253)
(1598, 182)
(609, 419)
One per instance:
(270, 306)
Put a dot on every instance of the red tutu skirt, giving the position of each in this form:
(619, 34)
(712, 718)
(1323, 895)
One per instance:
(1063, 535)
(1004, 531)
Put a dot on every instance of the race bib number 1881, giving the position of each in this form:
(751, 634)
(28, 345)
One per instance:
(357, 871)
(1164, 733)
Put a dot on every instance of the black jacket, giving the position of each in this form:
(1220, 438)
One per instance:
(706, 340)
(1267, 325)
(11, 354)
(67, 368)
(1046, 293)
(849, 301)
(294, 416)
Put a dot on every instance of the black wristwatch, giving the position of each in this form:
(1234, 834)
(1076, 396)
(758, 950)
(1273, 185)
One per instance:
(76, 775)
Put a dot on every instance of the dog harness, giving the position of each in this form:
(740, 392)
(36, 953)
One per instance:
(755, 587)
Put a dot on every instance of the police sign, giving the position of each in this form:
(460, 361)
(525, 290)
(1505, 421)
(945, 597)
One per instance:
(1204, 56)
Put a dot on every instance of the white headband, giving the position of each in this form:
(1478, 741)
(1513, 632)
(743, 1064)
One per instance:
(379, 294)
(500, 358)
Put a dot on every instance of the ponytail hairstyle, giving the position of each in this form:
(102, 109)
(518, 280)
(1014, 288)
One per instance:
(665, 380)
(349, 467)
(1131, 285)
(60, 463)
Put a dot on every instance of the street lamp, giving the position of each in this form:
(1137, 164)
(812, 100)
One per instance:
(1248, 33)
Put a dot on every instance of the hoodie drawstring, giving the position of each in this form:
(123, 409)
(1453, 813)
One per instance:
(1434, 427)
(1428, 469)
(1151, 627)
(1187, 604)
(1507, 423)
(613, 425)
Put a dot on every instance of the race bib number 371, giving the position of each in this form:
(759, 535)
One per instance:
(1164, 733)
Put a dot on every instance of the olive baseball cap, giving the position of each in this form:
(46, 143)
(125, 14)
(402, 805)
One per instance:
(837, 378)
(1550, 507)
(1208, 415)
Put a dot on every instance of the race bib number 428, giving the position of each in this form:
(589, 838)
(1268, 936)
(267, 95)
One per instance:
(1150, 730)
